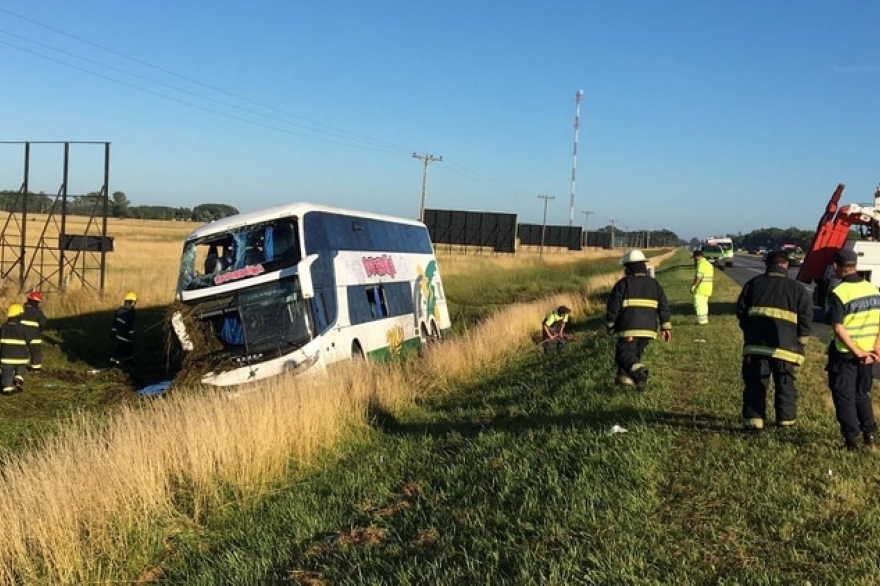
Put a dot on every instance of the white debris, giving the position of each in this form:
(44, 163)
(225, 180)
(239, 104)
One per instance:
(616, 429)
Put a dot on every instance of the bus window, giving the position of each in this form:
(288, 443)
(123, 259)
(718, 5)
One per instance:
(376, 299)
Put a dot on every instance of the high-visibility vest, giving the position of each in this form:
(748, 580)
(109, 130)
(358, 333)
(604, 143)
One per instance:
(705, 270)
(861, 306)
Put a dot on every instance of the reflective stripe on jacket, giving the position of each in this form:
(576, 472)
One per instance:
(635, 305)
(774, 313)
(861, 308)
(14, 339)
(705, 271)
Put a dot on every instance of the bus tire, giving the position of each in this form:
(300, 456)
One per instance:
(357, 353)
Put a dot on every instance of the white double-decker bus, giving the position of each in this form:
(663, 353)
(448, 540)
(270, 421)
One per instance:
(302, 286)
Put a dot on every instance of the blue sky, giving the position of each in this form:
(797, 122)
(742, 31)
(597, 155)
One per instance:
(702, 117)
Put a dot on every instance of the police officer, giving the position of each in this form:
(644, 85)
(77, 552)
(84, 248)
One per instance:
(35, 321)
(774, 313)
(123, 330)
(634, 306)
(553, 328)
(854, 314)
(701, 288)
(14, 351)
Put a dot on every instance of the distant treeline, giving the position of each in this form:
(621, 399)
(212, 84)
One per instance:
(119, 207)
(771, 238)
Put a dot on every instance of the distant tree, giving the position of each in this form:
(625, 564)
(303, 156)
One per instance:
(208, 212)
(119, 205)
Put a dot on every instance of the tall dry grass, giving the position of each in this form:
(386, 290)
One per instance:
(97, 501)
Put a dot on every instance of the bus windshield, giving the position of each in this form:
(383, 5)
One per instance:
(238, 254)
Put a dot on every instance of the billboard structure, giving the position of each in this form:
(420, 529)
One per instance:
(477, 229)
(569, 237)
(40, 246)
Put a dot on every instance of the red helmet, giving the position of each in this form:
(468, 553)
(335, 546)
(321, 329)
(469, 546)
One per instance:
(35, 296)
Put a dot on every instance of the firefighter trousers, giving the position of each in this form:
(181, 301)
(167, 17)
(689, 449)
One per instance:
(12, 377)
(850, 382)
(756, 373)
(628, 354)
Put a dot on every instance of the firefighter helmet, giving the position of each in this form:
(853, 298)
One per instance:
(634, 255)
(131, 296)
(35, 296)
(15, 310)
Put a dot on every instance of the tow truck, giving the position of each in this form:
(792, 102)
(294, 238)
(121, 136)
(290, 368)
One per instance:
(833, 233)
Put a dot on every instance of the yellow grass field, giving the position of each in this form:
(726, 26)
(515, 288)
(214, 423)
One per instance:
(78, 507)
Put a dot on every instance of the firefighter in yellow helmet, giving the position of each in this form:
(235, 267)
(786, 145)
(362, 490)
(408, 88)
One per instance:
(123, 330)
(15, 354)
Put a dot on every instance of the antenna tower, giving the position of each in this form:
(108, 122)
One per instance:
(574, 156)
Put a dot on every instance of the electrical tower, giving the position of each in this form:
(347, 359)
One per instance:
(574, 156)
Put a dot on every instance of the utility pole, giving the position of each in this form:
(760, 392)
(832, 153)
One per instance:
(612, 221)
(426, 159)
(546, 198)
(586, 213)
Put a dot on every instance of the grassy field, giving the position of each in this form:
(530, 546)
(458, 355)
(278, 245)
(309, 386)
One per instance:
(485, 462)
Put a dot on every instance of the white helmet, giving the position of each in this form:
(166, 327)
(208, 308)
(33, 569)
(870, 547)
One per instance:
(634, 255)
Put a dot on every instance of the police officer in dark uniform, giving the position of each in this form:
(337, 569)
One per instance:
(15, 352)
(35, 320)
(854, 314)
(634, 306)
(774, 313)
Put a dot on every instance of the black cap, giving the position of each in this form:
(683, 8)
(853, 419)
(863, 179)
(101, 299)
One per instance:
(846, 257)
(697, 253)
(563, 310)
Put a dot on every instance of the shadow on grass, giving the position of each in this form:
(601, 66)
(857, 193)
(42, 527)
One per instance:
(87, 339)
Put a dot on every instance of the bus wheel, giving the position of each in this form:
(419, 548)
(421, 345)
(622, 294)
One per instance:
(357, 353)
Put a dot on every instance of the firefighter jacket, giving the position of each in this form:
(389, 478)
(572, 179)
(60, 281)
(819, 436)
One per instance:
(706, 273)
(855, 303)
(774, 313)
(634, 306)
(123, 323)
(14, 340)
(34, 319)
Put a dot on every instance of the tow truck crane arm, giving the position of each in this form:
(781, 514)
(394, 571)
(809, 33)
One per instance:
(832, 232)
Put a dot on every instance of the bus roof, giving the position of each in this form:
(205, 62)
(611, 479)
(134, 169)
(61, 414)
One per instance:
(297, 209)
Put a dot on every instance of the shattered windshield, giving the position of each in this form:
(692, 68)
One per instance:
(239, 254)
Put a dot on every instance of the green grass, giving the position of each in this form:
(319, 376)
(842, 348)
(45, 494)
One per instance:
(515, 480)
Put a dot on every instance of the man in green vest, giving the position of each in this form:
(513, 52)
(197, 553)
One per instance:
(701, 288)
(553, 328)
(854, 314)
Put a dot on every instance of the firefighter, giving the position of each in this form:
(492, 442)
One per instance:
(35, 320)
(701, 288)
(636, 303)
(14, 351)
(553, 328)
(854, 312)
(774, 313)
(123, 330)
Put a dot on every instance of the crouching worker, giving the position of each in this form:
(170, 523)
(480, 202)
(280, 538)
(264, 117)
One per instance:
(553, 328)
(15, 352)
(636, 303)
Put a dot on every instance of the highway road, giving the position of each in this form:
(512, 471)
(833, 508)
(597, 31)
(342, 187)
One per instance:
(746, 266)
